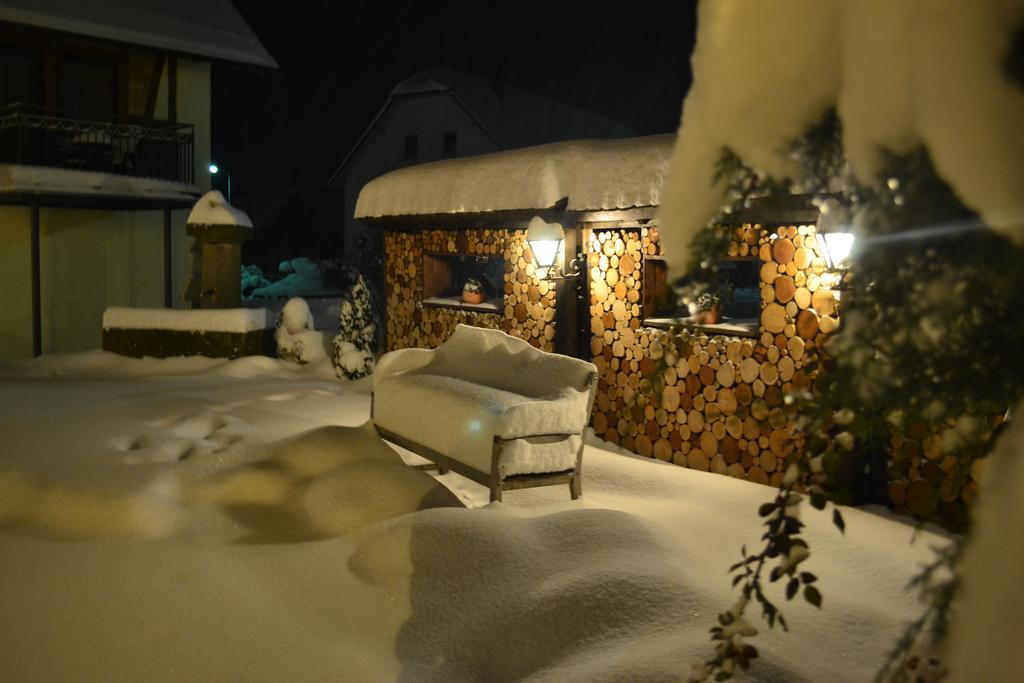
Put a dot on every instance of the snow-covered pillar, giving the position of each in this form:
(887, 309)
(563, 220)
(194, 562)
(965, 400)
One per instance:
(219, 230)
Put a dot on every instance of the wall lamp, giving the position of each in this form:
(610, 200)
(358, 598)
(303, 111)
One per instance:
(833, 228)
(546, 240)
(835, 241)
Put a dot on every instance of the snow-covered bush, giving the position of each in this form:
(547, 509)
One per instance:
(353, 345)
(302, 276)
(252, 279)
(296, 336)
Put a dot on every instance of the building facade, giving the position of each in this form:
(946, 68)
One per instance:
(104, 144)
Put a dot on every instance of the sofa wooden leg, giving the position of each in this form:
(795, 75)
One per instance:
(495, 491)
(442, 470)
(575, 485)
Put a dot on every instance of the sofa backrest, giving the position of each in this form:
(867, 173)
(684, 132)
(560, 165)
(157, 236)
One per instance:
(495, 359)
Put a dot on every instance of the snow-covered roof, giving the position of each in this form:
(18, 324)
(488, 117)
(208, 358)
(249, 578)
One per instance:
(205, 28)
(213, 209)
(514, 119)
(593, 175)
(43, 180)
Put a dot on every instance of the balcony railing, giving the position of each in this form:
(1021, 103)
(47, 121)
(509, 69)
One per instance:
(149, 149)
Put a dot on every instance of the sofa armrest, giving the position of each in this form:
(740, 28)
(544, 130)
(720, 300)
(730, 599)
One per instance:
(401, 360)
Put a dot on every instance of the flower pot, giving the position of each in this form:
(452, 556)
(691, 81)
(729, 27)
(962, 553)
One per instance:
(709, 317)
(473, 297)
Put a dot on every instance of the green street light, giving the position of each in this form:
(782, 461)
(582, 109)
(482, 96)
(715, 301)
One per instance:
(214, 170)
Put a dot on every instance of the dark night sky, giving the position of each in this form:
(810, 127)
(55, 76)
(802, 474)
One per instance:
(291, 127)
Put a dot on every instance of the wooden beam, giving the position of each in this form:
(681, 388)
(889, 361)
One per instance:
(50, 77)
(37, 311)
(153, 88)
(640, 213)
(122, 88)
(172, 89)
(168, 278)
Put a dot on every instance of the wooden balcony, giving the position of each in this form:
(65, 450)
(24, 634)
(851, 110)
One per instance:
(144, 149)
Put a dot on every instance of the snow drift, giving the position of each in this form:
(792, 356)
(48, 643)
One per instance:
(290, 544)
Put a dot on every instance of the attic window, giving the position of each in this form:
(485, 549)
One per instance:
(448, 145)
(412, 147)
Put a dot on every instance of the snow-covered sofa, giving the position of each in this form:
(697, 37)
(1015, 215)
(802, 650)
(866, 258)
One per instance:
(490, 407)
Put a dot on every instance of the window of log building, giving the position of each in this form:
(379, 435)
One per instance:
(445, 276)
(740, 306)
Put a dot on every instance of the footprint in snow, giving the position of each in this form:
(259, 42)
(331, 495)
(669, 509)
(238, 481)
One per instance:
(179, 438)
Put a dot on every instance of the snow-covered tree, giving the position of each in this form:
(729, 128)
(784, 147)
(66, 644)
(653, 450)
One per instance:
(908, 112)
(353, 345)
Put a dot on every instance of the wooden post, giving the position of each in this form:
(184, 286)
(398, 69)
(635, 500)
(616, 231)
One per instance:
(582, 303)
(567, 295)
(172, 89)
(168, 276)
(37, 314)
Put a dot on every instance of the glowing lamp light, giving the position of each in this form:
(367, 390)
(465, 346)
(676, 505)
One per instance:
(214, 168)
(835, 248)
(834, 238)
(545, 241)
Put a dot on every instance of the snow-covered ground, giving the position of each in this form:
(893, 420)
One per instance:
(196, 519)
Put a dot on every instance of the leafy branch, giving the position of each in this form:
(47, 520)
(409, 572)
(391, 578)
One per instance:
(937, 584)
(783, 546)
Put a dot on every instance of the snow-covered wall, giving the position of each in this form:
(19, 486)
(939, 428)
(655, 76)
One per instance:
(235, 320)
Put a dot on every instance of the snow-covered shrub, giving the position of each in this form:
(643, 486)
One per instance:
(301, 276)
(296, 336)
(353, 346)
(252, 279)
(350, 361)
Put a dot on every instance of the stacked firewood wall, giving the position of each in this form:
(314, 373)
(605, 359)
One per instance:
(720, 408)
(529, 303)
(926, 479)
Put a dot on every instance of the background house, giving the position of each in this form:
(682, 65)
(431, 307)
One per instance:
(104, 141)
(442, 113)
